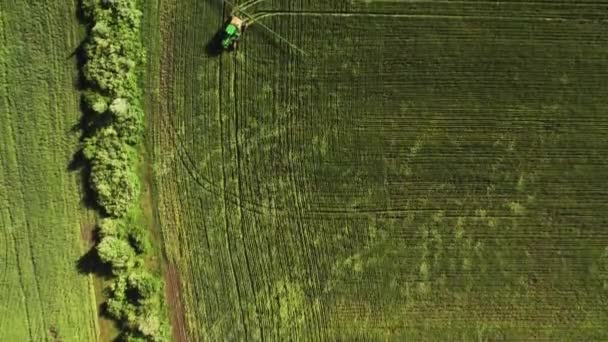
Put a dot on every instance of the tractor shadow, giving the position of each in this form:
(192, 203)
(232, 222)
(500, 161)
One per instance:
(214, 46)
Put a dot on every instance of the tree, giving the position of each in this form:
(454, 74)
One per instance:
(110, 227)
(144, 284)
(116, 252)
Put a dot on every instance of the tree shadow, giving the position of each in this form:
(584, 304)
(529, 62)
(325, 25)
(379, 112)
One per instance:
(80, 164)
(90, 121)
(81, 15)
(119, 325)
(88, 124)
(90, 263)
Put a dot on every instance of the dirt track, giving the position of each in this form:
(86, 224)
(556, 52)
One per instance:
(172, 292)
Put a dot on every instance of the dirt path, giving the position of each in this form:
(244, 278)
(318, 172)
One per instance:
(174, 302)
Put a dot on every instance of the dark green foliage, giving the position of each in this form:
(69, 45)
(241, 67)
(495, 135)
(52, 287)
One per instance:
(136, 300)
(114, 49)
(110, 227)
(131, 337)
(114, 53)
(138, 238)
(112, 173)
(128, 120)
(116, 252)
(144, 284)
(127, 229)
(95, 101)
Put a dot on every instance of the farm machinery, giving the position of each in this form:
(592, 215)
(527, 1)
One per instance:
(232, 33)
(239, 21)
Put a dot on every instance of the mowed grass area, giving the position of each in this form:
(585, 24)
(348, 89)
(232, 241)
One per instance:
(43, 297)
(427, 171)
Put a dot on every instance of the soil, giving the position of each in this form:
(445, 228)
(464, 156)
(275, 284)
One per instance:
(174, 302)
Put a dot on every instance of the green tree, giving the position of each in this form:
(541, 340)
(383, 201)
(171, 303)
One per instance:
(117, 252)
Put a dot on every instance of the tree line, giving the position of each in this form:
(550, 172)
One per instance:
(114, 55)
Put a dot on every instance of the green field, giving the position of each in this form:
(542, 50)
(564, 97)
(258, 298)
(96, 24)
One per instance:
(43, 297)
(429, 170)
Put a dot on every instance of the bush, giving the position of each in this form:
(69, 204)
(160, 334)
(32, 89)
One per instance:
(114, 49)
(129, 230)
(133, 337)
(139, 239)
(135, 299)
(144, 285)
(112, 176)
(95, 101)
(116, 252)
(111, 227)
(150, 326)
(128, 120)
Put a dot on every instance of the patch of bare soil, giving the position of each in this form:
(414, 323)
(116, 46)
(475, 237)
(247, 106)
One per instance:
(176, 308)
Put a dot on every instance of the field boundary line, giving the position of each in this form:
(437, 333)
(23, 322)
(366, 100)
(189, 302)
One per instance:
(480, 2)
(238, 159)
(225, 203)
(43, 317)
(266, 14)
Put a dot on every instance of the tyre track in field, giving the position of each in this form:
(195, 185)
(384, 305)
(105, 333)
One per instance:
(238, 199)
(166, 78)
(235, 277)
(232, 198)
(26, 236)
(299, 200)
(476, 2)
(271, 13)
(5, 100)
(238, 160)
(22, 286)
(209, 186)
(296, 196)
(196, 174)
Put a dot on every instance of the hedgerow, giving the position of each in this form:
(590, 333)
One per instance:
(114, 54)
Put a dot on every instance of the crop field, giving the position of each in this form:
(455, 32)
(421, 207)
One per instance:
(43, 297)
(427, 170)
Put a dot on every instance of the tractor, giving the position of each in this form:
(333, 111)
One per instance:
(233, 30)
(232, 33)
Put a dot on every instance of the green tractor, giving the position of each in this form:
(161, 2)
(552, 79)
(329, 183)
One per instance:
(232, 33)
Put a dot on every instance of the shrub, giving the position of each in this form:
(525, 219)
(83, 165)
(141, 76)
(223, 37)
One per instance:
(133, 337)
(139, 239)
(95, 101)
(150, 325)
(116, 252)
(134, 233)
(114, 49)
(112, 175)
(128, 120)
(144, 285)
(110, 227)
(135, 299)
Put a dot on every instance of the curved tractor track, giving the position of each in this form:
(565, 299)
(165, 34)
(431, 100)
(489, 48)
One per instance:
(429, 169)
